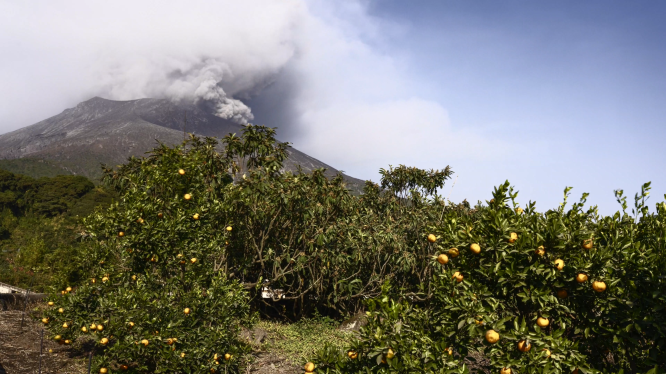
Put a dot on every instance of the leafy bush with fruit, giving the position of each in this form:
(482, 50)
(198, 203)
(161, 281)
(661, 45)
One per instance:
(157, 297)
(523, 292)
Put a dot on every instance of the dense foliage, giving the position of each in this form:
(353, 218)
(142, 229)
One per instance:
(224, 232)
(39, 226)
(603, 308)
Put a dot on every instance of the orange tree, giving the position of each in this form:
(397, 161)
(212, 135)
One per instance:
(195, 228)
(523, 292)
(157, 297)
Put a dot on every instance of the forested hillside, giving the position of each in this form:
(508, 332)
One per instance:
(39, 225)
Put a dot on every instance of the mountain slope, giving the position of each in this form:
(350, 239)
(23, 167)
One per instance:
(106, 131)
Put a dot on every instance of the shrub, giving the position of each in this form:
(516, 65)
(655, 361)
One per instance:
(511, 283)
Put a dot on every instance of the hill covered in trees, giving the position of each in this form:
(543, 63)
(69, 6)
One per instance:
(39, 224)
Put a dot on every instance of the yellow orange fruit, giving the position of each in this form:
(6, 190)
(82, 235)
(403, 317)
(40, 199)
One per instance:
(45, 320)
(103, 370)
(187, 196)
(57, 337)
(61, 310)
(193, 260)
(145, 342)
(505, 371)
(513, 237)
(229, 228)
(130, 324)
(181, 171)
(104, 279)
(390, 353)
(443, 259)
(84, 329)
(121, 234)
(65, 325)
(546, 352)
(93, 326)
(68, 289)
(524, 346)
(492, 336)
(124, 367)
(540, 251)
(140, 220)
(457, 276)
(50, 303)
(169, 341)
(599, 286)
(309, 367)
(352, 355)
(182, 354)
(559, 264)
(160, 215)
(186, 311)
(475, 248)
(100, 327)
(67, 341)
(453, 252)
(195, 216)
(432, 238)
(104, 341)
(581, 278)
(587, 244)
(542, 322)
(227, 356)
(519, 210)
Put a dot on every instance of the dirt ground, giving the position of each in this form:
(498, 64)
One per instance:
(20, 351)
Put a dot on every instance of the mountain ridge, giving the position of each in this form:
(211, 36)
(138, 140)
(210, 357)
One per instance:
(99, 130)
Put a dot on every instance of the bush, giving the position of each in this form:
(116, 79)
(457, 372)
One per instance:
(155, 271)
(511, 283)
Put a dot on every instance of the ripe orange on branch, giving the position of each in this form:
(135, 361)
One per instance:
(587, 244)
(309, 367)
(457, 276)
(540, 251)
(432, 238)
(542, 322)
(513, 237)
(453, 252)
(559, 264)
(492, 336)
(443, 259)
(475, 248)
(524, 346)
(581, 278)
(599, 286)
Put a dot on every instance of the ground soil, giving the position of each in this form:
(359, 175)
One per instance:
(20, 350)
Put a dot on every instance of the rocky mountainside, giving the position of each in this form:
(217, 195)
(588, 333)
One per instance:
(99, 131)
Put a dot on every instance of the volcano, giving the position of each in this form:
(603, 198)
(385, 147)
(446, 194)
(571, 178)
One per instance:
(100, 131)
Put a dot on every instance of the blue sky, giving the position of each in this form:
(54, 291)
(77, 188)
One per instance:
(578, 89)
(544, 94)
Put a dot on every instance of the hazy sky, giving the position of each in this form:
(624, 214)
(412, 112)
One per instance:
(545, 94)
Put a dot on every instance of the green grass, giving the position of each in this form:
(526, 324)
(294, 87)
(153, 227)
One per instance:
(299, 342)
